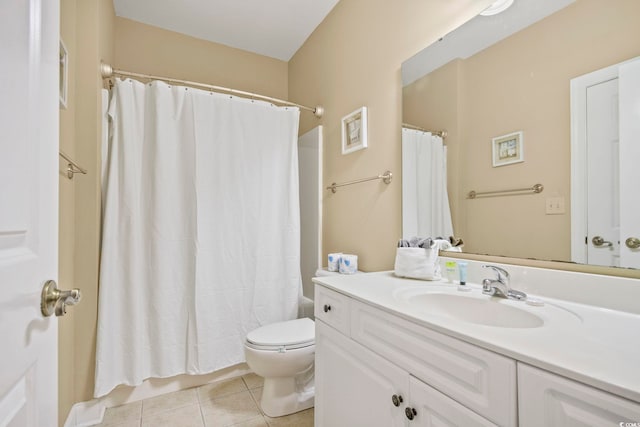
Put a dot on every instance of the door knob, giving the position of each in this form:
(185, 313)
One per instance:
(56, 301)
(632, 243)
(599, 242)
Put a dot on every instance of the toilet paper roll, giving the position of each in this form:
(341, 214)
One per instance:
(334, 261)
(348, 264)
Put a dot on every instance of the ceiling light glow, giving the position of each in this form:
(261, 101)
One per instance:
(497, 7)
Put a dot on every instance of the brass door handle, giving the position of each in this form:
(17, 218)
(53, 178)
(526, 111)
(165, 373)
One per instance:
(599, 242)
(632, 243)
(55, 301)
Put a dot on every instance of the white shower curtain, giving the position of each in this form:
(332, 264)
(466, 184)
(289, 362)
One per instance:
(201, 230)
(425, 200)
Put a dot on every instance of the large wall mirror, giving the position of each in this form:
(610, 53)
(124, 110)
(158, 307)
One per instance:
(533, 95)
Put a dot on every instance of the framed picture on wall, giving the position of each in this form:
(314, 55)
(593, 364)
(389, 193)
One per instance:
(508, 149)
(354, 131)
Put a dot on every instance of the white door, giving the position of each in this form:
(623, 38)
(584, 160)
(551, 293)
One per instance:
(354, 386)
(603, 200)
(630, 164)
(29, 40)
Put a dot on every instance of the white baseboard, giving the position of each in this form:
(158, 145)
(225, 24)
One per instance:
(84, 414)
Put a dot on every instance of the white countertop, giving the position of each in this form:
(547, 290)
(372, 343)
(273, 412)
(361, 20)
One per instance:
(596, 346)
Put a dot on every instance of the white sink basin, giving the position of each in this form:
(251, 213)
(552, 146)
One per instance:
(485, 311)
(474, 307)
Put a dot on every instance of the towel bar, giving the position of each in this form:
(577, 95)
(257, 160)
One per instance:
(72, 167)
(534, 189)
(385, 177)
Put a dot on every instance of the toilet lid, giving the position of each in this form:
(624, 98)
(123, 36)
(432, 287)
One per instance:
(298, 332)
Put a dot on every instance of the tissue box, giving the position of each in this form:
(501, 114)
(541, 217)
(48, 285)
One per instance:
(334, 261)
(417, 263)
(348, 264)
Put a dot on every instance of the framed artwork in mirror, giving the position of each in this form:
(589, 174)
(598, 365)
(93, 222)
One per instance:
(354, 131)
(64, 71)
(508, 149)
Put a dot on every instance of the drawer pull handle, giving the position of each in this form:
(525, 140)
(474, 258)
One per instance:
(410, 413)
(396, 399)
(327, 308)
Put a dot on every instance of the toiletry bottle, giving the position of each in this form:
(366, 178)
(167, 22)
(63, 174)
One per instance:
(462, 270)
(450, 269)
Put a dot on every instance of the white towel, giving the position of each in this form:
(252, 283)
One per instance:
(417, 263)
(445, 245)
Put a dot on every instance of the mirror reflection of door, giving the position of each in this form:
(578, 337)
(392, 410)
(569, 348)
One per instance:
(630, 164)
(603, 169)
(602, 138)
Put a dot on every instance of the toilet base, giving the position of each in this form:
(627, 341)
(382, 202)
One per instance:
(286, 395)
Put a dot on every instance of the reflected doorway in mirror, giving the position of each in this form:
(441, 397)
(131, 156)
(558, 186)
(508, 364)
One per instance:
(508, 149)
(354, 131)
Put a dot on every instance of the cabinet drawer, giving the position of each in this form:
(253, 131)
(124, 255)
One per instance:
(434, 408)
(332, 308)
(483, 380)
(554, 401)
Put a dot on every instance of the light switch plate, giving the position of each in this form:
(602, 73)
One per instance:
(555, 206)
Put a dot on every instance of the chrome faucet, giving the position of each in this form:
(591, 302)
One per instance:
(500, 286)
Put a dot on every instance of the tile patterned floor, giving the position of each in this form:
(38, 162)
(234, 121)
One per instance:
(232, 402)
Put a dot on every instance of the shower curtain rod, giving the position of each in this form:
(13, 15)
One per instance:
(107, 72)
(441, 133)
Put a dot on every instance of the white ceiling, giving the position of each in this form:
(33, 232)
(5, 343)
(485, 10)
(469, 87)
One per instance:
(275, 28)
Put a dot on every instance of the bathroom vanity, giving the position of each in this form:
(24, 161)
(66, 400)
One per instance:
(399, 352)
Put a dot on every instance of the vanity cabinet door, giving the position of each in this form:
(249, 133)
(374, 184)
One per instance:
(483, 381)
(546, 399)
(355, 387)
(433, 408)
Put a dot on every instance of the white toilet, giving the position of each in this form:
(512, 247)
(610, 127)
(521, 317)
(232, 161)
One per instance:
(283, 354)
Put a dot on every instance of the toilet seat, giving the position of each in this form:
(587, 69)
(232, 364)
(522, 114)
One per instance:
(283, 336)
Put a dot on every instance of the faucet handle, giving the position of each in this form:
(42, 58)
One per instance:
(503, 275)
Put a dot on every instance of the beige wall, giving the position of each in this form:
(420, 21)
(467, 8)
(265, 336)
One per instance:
(66, 330)
(94, 40)
(87, 30)
(521, 83)
(146, 49)
(353, 59)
